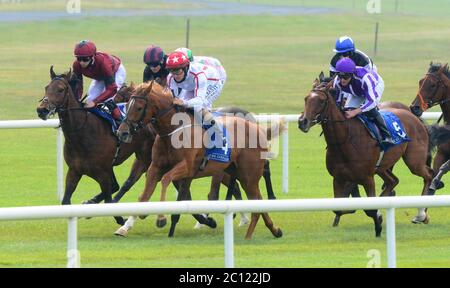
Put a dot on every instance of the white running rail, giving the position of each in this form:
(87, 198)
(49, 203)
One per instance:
(72, 212)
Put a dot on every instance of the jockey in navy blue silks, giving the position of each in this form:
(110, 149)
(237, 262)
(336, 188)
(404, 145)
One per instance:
(365, 88)
(345, 47)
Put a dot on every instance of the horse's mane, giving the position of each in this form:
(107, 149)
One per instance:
(434, 67)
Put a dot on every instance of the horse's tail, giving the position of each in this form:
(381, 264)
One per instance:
(275, 130)
(438, 135)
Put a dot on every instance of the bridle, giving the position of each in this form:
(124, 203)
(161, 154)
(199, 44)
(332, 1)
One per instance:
(61, 108)
(320, 119)
(135, 126)
(51, 107)
(430, 103)
(325, 120)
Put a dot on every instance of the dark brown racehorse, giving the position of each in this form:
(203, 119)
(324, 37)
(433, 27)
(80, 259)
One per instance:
(434, 89)
(352, 153)
(438, 136)
(90, 146)
(151, 103)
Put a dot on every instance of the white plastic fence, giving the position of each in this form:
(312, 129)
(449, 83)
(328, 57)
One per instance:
(54, 123)
(72, 212)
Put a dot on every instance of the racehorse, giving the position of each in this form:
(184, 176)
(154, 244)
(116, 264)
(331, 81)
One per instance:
(434, 89)
(352, 154)
(438, 136)
(124, 94)
(90, 147)
(151, 103)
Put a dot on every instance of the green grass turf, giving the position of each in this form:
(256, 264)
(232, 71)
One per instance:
(271, 62)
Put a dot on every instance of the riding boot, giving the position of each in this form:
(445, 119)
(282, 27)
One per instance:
(208, 117)
(114, 110)
(386, 136)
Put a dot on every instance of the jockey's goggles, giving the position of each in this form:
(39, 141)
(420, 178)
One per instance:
(345, 76)
(154, 64)
(83, 59)
(176, 71)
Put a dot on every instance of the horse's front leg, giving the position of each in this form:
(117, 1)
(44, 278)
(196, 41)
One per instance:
(179, 171)
(72, 179)
(153, 177)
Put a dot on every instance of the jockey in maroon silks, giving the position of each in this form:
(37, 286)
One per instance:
(107, 72)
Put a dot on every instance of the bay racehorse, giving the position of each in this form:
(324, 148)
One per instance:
(352, 153)
(152, 103)
(90, 147)
(434, 89)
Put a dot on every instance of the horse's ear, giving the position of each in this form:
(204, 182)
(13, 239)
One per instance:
(321, 76)
(132, 85)
(329, 85)
(443, 68)
(431, 63)
(69, 75)
(52, 73)
(316, 83)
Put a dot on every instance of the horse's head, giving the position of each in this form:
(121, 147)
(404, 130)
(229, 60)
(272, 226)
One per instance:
(316, 104)
(56, 95)
(124, 93)
(148, 102)
(432, 89)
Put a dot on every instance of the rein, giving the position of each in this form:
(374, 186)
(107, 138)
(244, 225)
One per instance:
(325, 120)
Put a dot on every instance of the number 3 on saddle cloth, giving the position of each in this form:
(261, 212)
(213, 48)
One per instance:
(104, 113)
(221, 152)
(394, 126)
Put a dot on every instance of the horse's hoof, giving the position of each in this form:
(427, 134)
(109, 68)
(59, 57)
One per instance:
(426, 220)
(278, 234)
(244, 221)
(419, 220)
(121, 232)
(336, 221)
(90, 201)
(210, 222)
(393, 193)
(198, 226)
(440, 185)
(161, 222)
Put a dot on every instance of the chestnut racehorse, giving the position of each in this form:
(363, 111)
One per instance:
(151, 103)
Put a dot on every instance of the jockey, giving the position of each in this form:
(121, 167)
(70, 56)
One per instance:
(196, 85)
(210, 61)
(365, 88)
(155, 59)
(107, 72)
(345, 47)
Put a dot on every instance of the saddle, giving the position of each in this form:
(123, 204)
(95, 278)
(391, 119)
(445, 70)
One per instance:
(394, 126)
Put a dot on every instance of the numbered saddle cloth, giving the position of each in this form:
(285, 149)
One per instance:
(221, 152)
(394, 126)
